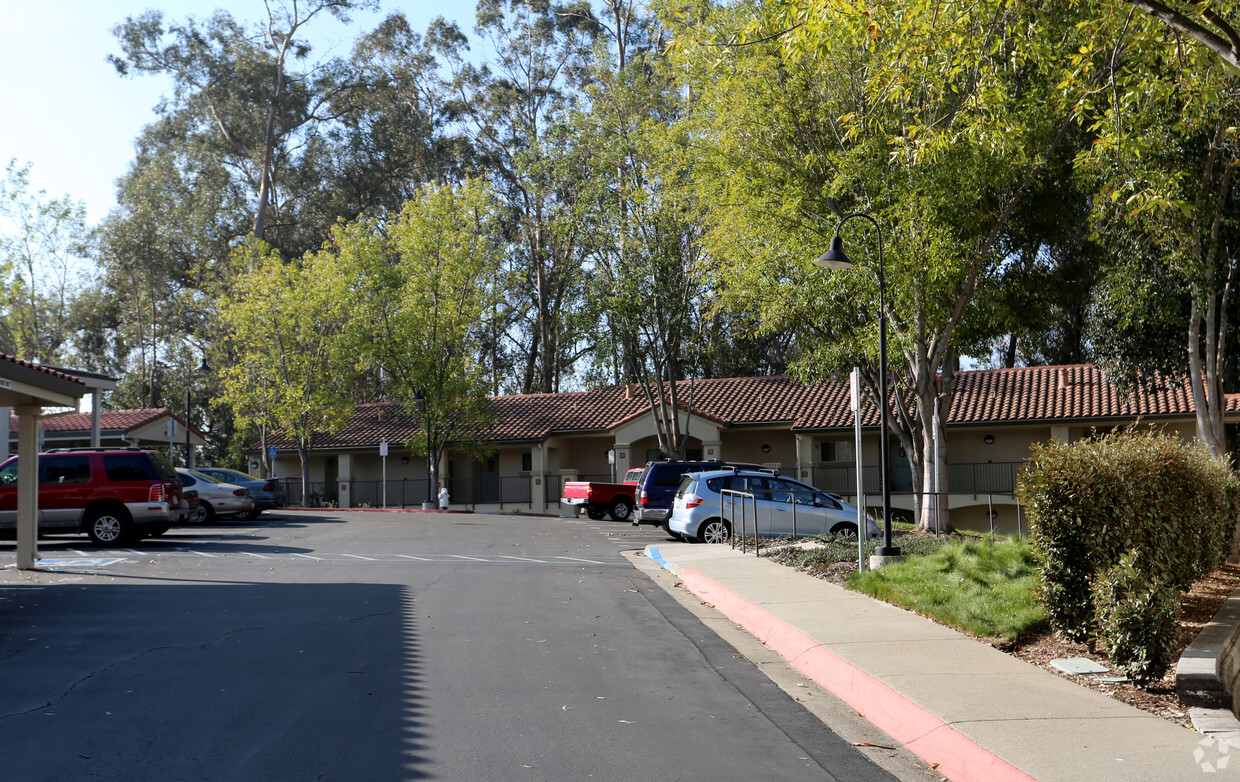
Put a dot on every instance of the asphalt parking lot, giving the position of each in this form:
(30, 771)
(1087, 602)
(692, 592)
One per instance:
(343, 645)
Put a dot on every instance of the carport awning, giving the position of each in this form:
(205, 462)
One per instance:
(28, 388)
(24, 384)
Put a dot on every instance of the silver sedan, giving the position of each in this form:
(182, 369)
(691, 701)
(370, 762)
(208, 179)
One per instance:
(215, 499)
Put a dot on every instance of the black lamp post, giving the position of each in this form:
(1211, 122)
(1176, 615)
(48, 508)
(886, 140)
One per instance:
(203, 369)
(836, 259)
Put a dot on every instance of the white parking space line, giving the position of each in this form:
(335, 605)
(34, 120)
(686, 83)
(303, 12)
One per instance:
(307, 556)
(459, 556)
(358, 556)
(418, 559)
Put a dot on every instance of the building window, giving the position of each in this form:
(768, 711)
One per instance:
(827, 450)
(693, 454)
(527, 462)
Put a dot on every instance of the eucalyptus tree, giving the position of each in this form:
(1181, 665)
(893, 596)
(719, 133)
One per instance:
(237, 91)
(43, 241)
(516, 108)
(397, 133)
(936, 119)
(643, 237)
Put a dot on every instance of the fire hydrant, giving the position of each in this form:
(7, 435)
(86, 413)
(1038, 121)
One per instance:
(443, 498)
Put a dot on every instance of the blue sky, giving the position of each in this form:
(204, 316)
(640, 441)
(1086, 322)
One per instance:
(70, 115)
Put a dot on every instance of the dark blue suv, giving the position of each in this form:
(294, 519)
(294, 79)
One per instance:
(657, 487)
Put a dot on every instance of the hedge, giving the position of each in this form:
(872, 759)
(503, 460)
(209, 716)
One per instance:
(1166, 508)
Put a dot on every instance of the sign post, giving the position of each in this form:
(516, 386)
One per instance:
(383, 450)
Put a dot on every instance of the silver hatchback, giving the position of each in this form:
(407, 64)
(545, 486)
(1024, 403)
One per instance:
(709, 505)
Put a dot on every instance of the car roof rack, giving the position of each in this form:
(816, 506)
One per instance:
(96, 449)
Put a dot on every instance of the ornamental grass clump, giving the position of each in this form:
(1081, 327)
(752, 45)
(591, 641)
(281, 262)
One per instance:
(984, 587)
(1167, 508)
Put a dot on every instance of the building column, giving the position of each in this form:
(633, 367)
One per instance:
(6, 419)
(624, 459)
(96, 401)
(538, 478)
(344, 477)
(805, 457)
(1060, 433)
(28, 487)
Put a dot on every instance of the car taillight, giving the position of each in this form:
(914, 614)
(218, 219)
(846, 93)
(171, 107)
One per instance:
(240, 492)
(156, 494)
(643, 497)
(270, 486)
(692, 500)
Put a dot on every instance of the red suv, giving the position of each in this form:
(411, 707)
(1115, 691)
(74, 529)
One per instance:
(114, 495)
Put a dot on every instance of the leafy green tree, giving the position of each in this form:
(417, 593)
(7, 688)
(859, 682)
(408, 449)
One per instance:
(287, 363)
(42, 243)
(1165, 160)
(420, 289)
(936, 119)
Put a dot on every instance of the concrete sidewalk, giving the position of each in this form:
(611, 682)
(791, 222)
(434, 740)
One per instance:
(980, 714)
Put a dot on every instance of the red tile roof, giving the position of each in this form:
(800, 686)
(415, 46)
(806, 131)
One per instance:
(39, 368)
(1024, 395)
(109, 420)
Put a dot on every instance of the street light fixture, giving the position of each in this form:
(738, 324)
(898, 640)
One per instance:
(203, 369)
(835, 258)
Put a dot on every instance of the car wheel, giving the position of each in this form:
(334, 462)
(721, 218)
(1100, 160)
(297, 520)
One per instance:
(208, 513)
(845, 530)
(109, 527)
(620, 509)
(595, 513)
(714, 531)
(249, 515)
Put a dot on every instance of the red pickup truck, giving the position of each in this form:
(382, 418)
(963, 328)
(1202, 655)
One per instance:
(600, 499)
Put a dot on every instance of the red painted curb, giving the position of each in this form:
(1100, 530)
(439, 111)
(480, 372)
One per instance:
(378, 510)
(930, 738)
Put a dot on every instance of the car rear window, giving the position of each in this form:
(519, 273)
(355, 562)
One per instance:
(687, 484)
(130, 467)
(668, 475)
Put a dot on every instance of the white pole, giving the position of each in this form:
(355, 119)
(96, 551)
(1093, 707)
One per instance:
(383, 450)
(863, 529)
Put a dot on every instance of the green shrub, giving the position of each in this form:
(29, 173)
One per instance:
(1094, 501)
(1137, 619)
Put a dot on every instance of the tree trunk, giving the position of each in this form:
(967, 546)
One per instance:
(303, 454)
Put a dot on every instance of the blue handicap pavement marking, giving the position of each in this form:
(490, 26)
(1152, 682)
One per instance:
(654, 554)
(46, 563)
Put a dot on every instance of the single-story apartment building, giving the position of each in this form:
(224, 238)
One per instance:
(543, 440)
